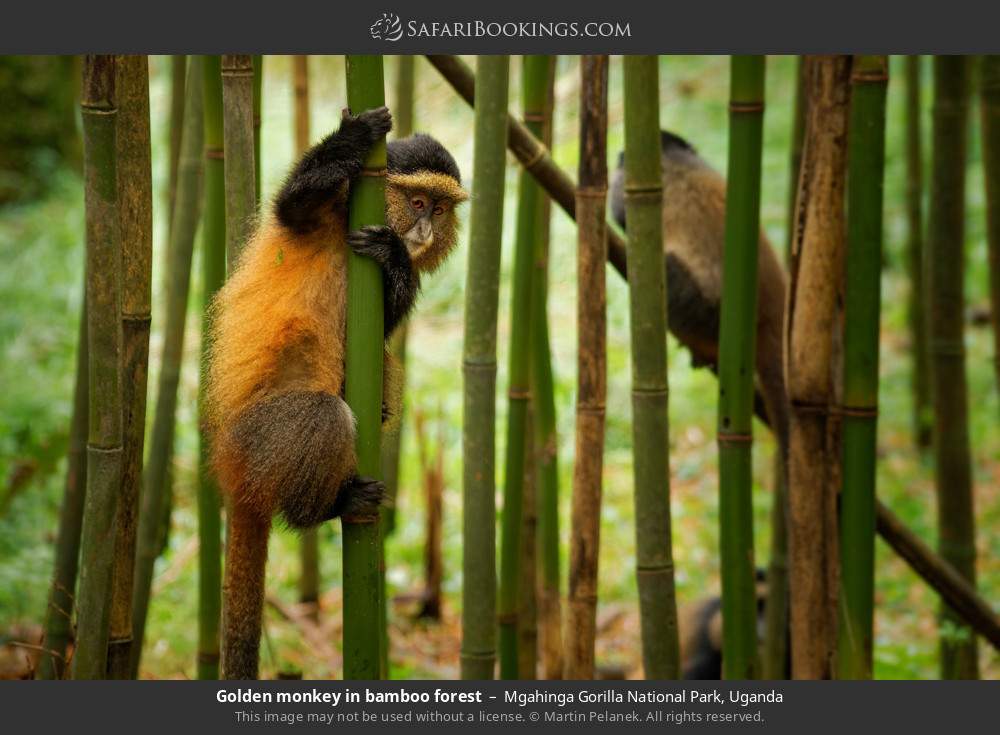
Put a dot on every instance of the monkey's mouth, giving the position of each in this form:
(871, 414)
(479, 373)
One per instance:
(417, 246)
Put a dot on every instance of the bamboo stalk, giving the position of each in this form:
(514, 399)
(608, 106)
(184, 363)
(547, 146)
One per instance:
(591, 202)
(519, 356)
(392, 441)
(648, 327)
(98, 104)
(531, 153)
(863, 261)
(811, 322)
(363, 623)
(239, 163)
(155, 498)
(916, 316)
(737, 354)
(62, 596)
(546, 441)
(178, 78)
(527, 629)
(258, 90)
(989, 107)
(135, 206)
(774, 655)
(945, 311)
(309, 575)
(213, 275)
(479, 369)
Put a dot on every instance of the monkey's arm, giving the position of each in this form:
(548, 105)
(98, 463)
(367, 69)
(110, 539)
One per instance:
(324, 171)
(399, 278)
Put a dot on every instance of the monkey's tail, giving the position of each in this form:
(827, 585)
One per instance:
(246, 557)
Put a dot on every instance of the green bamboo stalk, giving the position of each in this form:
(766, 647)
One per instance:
(544, 429)
(737, 354)
(527, 629)
(648, 326)
(479, 369)
(402, 115)
(258, 90)
(945, 311)
(104, 329)
(135, 206)
(866, 164)
(363, 624)
(989, 107)
(309, 577)
(774, 653)
(533, 100)
(591, 307)
(59, 613)
(178, 79)
(155, 498)
(239, 163)
(916, 316)
(213, 275)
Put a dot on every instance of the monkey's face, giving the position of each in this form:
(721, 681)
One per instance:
(420, 207)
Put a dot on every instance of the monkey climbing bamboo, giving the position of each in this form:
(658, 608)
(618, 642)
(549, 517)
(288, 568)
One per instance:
(591, 308)
(213, 243)
(62, 595)
(811, 320)
(104, 441)
(989, 107)
(648, 326)
(186, 213)
(866, 156)
(238, 132)
(479, 369)
(946, 310)
(135, 206)
(519, 352)
(533, 155)
(916, 311)
(363, 636)
(737, 348)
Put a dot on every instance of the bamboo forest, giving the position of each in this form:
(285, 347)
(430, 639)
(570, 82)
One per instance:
(702, 380)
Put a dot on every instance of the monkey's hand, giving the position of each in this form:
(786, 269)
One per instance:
(367, 128)
(399, 277)
(322, 175)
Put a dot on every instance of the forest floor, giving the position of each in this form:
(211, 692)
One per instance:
(40, 287)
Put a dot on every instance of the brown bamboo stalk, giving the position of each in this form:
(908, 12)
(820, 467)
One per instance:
(812, 323)
(432, 471)
(135, 214)
(591, 200)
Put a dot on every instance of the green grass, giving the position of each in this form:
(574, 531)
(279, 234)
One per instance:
(40, 285)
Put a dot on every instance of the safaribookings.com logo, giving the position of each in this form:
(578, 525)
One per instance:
(390, 28)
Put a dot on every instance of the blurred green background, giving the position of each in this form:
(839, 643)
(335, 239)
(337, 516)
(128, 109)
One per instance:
(41, 282)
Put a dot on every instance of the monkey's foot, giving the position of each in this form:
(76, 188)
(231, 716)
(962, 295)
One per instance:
(359, 497)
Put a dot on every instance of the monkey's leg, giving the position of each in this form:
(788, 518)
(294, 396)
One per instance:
(299, 459)
(243, 591)
(323, 172)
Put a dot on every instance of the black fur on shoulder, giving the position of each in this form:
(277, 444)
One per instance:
(421, 152)
(668, 142)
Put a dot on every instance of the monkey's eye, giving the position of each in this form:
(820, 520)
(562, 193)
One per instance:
(417, 204)
(439, 209)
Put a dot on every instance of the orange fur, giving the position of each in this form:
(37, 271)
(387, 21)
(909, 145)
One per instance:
(277, 325)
